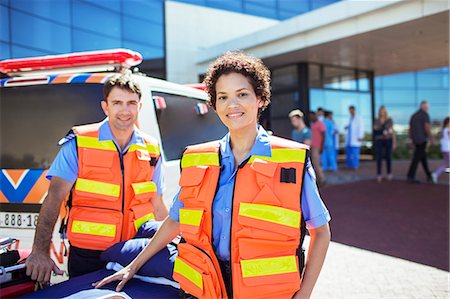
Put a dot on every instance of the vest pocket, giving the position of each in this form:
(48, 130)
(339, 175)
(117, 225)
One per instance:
(92, 228)
(103, 194)
(273, 277)
(191, 220)
(190, 181)
(97, 164)
(139, 214)
(270, 218)
(195, 272)
(144, 191)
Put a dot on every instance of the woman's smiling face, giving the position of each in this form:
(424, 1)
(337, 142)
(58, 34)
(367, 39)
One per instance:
(236, 102)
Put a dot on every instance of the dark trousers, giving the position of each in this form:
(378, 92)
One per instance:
(383, 150)
(420, 155)
(83, 261)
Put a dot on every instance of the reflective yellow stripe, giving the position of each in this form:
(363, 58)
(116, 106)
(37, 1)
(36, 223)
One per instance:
(93, 142)
(97, 187)
(153, 149)
(144, 187)
(283, 155)
(150, 148)
(191, 217)
(268, 266)
(200, 159)
(93, 228)
(270, 213)
(142, 220)
(190, 273)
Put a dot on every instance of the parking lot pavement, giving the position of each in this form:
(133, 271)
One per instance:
(350, 272)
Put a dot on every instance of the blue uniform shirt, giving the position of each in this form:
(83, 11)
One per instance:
(314, 211)
(65, 164)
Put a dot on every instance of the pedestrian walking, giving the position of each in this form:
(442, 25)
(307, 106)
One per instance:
(384, 136)
(445, 149)
(317, 143)
(301, 133)
(420, 135)
(329, 161)
(239, 208)
(354, 138)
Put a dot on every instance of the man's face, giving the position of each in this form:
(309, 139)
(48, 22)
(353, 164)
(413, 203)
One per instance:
(352, 111)
(122, 107)
(425, 107)
(295, 121)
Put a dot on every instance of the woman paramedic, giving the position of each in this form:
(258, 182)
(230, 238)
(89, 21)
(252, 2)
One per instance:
(245, 202)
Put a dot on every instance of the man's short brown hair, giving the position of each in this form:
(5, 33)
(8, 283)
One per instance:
(123, 81)
(237, 62)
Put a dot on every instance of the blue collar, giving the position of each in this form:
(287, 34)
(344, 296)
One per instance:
(261, 147)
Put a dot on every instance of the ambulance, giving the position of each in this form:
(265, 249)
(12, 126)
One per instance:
(43, 97)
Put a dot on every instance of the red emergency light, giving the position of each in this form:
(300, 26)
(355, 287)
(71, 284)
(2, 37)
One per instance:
(201, 86)
(119, 57)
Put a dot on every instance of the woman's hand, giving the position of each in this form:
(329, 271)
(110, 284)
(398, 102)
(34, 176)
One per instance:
(123, 275)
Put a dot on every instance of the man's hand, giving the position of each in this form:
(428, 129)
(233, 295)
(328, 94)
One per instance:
(123, 275)
(40, 267)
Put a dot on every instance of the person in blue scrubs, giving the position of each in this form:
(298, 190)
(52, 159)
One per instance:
(328, 156)
(238, 97)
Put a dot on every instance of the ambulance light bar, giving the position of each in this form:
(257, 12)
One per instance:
(200, 86)
(104, 58)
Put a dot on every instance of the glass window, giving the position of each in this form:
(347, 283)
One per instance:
(399, 80)
(428, 79)
(143, 32)
(108, 4)
(21, 52)
(433, 96)
(363, 81)
(55, 10)
(147, 52)
(398, 96)
(181, 126)
(315, 4)
(284, 78)
(96, 19)
(4, 28)
(260, 10)
(314, 75)
(152, 11)
(284, 103)
(232, 5)
(339, 101)
(40, 34)
(339, 78)
(266, 3)
(84, 41)
(4, 51)
(294, 6)
(36, 112)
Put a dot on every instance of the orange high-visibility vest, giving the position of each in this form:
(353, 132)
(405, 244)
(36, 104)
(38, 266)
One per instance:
(265, 228)
(112, 197)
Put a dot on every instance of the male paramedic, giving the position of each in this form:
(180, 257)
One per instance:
(112, 173)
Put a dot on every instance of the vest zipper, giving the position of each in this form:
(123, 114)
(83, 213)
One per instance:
(122, 168)
(231, 226)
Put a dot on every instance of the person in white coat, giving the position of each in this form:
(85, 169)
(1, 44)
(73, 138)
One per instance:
(353, 138)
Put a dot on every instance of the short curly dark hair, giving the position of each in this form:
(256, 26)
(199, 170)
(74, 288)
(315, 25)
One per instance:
(237, 62)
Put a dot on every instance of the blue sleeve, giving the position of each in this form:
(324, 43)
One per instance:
(314, 210)
(308, 135)
(158, 177)
(65, 164)
(174, 211)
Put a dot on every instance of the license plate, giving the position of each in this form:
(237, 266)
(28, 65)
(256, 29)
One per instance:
(18, 220)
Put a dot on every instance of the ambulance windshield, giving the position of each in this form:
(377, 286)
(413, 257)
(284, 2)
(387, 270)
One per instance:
(34, 118)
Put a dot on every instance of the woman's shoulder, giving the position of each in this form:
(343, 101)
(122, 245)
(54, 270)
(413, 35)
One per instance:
(211, 146)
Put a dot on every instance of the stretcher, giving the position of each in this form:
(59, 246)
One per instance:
(81, 287)
(13, 279)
